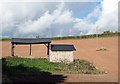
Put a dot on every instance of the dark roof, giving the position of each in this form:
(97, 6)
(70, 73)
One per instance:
(62, 48)
(30, 41)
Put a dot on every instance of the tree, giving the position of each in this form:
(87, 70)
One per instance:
(107, 32)
(116, 32)
(38, 36)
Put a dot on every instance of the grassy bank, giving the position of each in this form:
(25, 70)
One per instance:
(17, 69)
(17, 65)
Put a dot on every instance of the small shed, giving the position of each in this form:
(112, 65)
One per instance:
(61, 53)
(15, 41)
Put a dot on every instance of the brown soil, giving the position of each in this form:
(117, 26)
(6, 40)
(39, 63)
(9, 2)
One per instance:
(85, 49)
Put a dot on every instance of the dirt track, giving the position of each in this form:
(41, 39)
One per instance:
(85, 49)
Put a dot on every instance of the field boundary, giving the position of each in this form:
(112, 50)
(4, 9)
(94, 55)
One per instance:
(69, 37)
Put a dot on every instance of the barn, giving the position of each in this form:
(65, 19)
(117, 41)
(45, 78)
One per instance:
(61, 53)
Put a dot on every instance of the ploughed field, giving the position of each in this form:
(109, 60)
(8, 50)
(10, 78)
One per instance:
(85, 49)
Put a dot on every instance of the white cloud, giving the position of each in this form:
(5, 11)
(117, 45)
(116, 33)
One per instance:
(107, 18)
(54, 19)
(59, 16)
(87, 25)
(77, 20)
(109, 6)
(49, 0)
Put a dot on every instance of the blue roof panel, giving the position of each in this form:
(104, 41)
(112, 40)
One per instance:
(30, 41)
(62, 48)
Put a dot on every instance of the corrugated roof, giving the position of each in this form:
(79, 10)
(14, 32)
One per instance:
(62, 48)
(30, 41)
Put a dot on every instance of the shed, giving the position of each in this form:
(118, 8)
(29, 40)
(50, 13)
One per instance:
(15, 41)
(61, 53)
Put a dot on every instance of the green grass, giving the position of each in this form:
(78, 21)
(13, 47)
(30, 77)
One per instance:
(18, 65)
(84, 38)
(27, 65)
(101, 49)
(70, 37)
(16, 69)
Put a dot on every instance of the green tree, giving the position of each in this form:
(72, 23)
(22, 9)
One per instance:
(38, 36)
(107, 32)
(116, 32)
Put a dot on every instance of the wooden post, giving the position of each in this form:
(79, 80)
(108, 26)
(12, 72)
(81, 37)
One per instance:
(48, 49)
(30, 50)
(96, 37)
(12, 49)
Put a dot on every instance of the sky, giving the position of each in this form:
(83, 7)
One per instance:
(55, 19)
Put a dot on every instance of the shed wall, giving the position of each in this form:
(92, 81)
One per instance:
(61, 56)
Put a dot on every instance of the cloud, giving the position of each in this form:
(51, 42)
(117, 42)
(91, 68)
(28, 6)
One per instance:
(105, 16)
(57, 19)
(17, 15)
(46, 21)
(50, 0)
(108, 19)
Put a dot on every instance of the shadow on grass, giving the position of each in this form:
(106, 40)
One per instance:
(23, 74)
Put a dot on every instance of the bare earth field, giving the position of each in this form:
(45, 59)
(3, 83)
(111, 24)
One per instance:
(85, 49)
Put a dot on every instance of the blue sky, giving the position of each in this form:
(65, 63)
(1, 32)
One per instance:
(53, 19)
